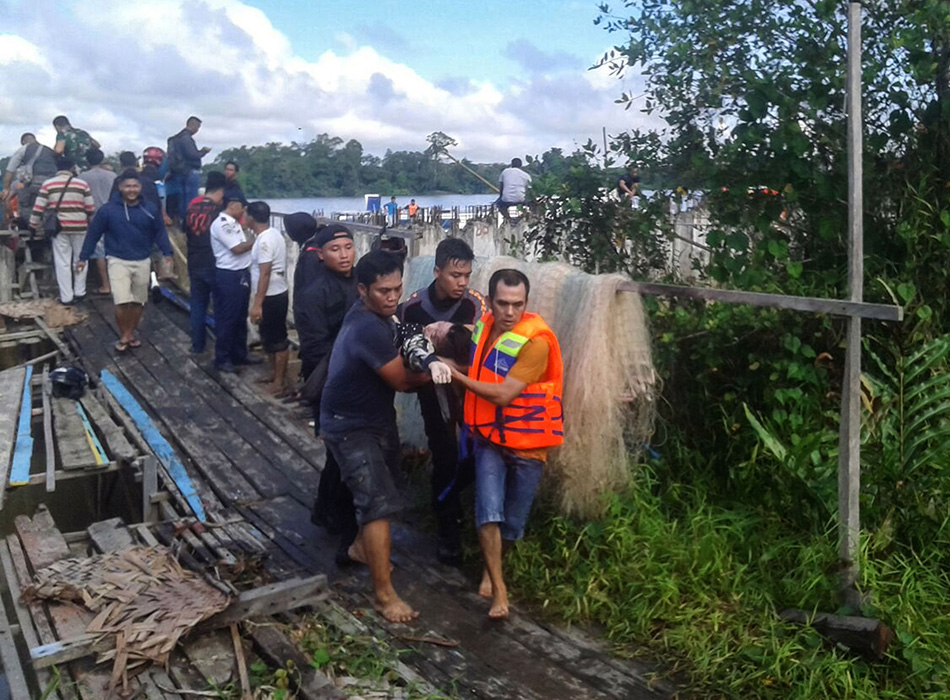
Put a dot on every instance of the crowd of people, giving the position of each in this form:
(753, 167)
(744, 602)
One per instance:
(488, 374)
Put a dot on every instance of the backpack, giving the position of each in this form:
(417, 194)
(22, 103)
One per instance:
(173, 157)
(24, 171)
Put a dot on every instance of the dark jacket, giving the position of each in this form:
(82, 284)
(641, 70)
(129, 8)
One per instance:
(232, 190)
(424, 308)
(197, 225)
(308, 266)
(187, 156)
(130, 231)
(319, 308)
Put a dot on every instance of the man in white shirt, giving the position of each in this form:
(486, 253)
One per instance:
(513, 183)
(269, 309)
(232, 288)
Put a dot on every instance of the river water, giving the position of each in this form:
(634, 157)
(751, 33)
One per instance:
(329, 205)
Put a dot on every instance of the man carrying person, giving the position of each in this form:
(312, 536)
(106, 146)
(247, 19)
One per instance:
(322, 297)
(100, 180)
(447, 299)
(131, 227)
(29, 167)
(358, 419)
(513, 412)
(72, 142)
(232, 288)
(202, 212)
(185, 163)
(513, 184)
(70, 197)
(269, 309)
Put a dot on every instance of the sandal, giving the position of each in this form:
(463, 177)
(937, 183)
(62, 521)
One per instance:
(121, 347)
(135, 343)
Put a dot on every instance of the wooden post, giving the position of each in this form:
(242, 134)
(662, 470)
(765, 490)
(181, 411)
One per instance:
(48, 433)
(149, 489)
(849, 447)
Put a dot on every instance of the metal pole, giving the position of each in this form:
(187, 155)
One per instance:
(849, 454)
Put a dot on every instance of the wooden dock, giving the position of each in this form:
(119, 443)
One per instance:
(253, 466)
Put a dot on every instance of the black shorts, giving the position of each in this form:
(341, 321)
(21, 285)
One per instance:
(273, 326)
(369, 466)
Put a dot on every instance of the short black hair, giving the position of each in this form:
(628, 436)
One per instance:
(229, 200)
(259, 211)
(64, 162)
(61, 120)
(26, 135)
(94, 156)
(376, 264)
(192, 118)
(215, 181)
(452, 249)
(127, 159)
(237, 167)
(516, 162)
(510, 278)
(127, 174)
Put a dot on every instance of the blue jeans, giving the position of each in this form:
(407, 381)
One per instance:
(188, 184)
(202, 287)
(505, 485)
(232, 291)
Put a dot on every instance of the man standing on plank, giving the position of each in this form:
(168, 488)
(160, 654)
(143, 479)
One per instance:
(232, 288)
(131, 227)
(358, 418)
(513, 412)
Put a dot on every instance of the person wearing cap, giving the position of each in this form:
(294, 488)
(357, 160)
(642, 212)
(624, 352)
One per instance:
(269, 308)
(131, 227)
(202, 212)
(232, 288)
(320, 305)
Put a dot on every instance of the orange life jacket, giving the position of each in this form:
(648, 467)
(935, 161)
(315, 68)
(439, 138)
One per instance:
(412, 209)
(534, 419)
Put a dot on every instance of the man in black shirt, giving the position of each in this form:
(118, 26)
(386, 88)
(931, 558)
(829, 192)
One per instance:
(232, 188)
(628, 186)
(447, 299)
(184, 162)
(358, 419)
(197, 225)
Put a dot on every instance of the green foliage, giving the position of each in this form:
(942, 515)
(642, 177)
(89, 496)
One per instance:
(669, 574)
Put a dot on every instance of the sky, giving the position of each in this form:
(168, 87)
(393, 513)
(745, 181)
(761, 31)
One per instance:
(503, 78)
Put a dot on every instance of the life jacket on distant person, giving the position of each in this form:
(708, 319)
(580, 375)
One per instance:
(534, 419)
(412, 209)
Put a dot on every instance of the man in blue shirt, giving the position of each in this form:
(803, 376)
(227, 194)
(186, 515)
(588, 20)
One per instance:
(392, 212)
(131, 227)
(358, 418)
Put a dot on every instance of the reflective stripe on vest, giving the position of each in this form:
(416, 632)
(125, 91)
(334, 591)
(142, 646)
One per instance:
(535, 417)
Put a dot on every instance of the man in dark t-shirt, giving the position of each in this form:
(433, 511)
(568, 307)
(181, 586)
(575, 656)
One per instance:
(628, 186)
(201, 268)
(358, 418)
(447, 299)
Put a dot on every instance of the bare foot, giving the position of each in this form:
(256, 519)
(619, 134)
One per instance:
(485, 587)
(274, 389)
(499, 605)
(395, 610)
(104, 290)
(356, 552)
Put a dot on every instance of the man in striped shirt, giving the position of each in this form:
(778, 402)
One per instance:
(72, 200)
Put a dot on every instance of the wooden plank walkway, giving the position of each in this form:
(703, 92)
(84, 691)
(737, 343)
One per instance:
(252, 460)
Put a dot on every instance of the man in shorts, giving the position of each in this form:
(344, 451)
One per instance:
(358, 418)
(271, 300)
(131, 227)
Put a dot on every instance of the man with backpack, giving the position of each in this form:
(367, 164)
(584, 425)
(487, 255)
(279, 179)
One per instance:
(31, 165)
(72, 142)
(184, 163)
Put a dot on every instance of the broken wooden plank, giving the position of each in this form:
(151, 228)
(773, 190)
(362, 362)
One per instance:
(70, 434)
(110, 535)
(23, 614)
(54, 336)
(12, 668)
(266, 600)
(46, 390)
(119, 448)
(11, 388)
(160, 446)
(42, 541)
(23, 452)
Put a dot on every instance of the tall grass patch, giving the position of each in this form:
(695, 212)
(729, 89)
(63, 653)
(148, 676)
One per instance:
(697, 584)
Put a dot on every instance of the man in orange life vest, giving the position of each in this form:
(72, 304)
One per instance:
(513, 412)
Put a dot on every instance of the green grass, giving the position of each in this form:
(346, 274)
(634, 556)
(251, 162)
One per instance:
(698, 585)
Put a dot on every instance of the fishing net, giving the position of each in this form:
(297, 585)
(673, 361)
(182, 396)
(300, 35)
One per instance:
(609, 380)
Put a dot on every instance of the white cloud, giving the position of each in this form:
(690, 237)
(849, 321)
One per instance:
(132, 72)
